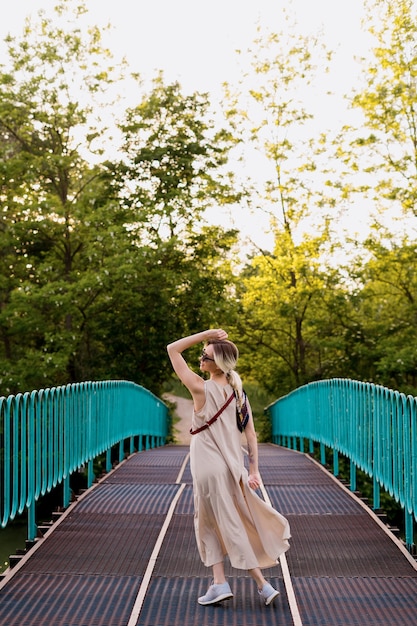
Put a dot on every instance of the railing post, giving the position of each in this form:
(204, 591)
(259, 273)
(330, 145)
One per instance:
(90, 473)
(374, 427)
(376, 495)
(335, 462)
(352, 476)
(66, 492)
(132, 445)
(121, 450)
(53, 432)
(32, 528)
(409, 529)
(108, 460)
(322, 454)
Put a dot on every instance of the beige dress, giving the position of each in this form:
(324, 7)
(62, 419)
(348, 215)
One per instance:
(229, 517)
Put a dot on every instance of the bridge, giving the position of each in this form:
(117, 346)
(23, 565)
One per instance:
(123, 552)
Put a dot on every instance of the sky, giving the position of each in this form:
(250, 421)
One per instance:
(195, 40)
(195, 43)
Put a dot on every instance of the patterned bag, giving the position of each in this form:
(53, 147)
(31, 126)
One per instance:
(242, 412)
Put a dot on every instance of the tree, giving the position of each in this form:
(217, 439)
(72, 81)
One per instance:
(381, 154)
(170, 291)
(98, 283)
(386, 147)
(172, 174)
(174, 162)
(283, 291)
(57, 221)
(284, 296)
(386, 309)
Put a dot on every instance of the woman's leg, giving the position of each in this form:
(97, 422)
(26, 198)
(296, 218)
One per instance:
(257, 576)
(265, 589)
(219, 590)
(218, 573)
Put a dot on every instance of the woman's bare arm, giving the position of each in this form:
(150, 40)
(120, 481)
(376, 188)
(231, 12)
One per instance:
(193, 382)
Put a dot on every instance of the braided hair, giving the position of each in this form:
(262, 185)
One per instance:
(226, 354)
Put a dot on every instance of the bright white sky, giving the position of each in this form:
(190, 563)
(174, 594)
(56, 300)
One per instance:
(194, 41)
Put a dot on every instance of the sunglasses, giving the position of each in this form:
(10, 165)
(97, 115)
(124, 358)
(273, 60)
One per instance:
(205, 357)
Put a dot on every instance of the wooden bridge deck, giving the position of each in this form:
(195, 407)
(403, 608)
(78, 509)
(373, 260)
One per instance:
(125, 554)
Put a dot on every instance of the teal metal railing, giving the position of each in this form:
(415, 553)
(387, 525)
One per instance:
(47, 435)
(374, 427)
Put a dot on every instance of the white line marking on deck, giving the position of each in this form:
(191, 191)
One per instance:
(137, 607)
(181, 472)
(292, 601)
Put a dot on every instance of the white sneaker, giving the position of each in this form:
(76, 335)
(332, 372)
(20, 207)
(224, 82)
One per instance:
(268, 593)
(216, 593)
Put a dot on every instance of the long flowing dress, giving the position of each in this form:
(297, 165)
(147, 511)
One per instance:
(229, 517)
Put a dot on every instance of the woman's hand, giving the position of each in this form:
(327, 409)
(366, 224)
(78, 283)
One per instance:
(216, 333)
(254, 481)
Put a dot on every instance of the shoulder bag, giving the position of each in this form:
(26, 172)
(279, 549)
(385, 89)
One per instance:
(213, 419)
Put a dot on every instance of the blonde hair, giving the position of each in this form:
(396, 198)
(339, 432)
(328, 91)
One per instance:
(225, 355)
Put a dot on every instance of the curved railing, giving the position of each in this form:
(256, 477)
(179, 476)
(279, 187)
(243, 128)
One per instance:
(47, 435)
(375, 427)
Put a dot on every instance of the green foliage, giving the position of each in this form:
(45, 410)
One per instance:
(386, 146)
(301, 317)
(104, 261)
(287, 298)
(58, 222)
(259, 399)
(173, 162)
(284, 294)
(386, 313)
(101, 265)
(174, 386)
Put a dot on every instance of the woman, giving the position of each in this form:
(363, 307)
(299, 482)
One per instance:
(229, 516)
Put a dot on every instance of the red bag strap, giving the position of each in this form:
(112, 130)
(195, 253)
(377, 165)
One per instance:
(213, 419)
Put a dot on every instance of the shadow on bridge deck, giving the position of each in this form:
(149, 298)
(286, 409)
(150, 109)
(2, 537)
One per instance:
(125, 553)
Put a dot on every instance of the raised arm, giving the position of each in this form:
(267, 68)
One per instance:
(193, 382)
